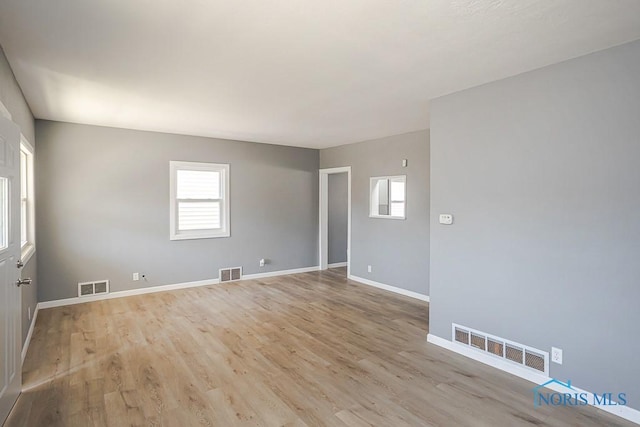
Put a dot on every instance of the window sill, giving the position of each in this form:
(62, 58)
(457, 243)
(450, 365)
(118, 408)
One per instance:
(194, 236)
(27, 252)
(387, 217)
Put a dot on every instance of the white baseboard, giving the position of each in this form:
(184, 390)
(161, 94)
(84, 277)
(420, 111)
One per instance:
(337, 265)
(470, 352)
(390, 288)
(279, 273)
(625, 412)
(120, 294)
(27, 340)
(163, 288)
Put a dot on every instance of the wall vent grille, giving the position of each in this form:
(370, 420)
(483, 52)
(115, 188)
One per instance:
(534, 360)
(86, 289)
(514, 352)
(478, 341)
(495, 347)
(462, 336)
(230, 274)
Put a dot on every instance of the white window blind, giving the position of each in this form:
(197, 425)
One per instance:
(199, 202)
(397, 197)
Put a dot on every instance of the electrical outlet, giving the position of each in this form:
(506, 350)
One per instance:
(445, 219)
(556, 355)
(136, 276)
(262, 262)
(369, 268)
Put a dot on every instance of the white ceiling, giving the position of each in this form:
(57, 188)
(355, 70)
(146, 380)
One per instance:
(295, 72)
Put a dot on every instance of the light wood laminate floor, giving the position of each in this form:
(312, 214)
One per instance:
(308, 349)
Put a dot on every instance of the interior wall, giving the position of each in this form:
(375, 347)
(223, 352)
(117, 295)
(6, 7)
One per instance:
(541, 174)
(337, 204)
(397, 250)
(103, 208)
(13, 99)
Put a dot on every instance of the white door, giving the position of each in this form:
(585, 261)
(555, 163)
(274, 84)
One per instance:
(10, 294)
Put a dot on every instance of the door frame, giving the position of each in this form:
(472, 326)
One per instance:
(323, 230)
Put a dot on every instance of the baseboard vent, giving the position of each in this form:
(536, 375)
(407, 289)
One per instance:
(86, 289)
(230, 274)
(521, 354)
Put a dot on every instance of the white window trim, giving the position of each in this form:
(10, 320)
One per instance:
(225, 231)
(372, 180)
(29, 249)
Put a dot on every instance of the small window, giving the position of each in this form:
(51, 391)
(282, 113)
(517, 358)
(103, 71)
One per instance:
(388, 197)
(4, 213)
(27, 210)
(199, 200)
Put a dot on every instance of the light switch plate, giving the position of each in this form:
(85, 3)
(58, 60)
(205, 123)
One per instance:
(446, 219)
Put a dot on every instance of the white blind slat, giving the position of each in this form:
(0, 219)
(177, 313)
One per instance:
(397, 208)
(195, 184)
(199, 215)
(397, 191)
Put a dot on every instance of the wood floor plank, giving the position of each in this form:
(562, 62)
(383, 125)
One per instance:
(311, 349)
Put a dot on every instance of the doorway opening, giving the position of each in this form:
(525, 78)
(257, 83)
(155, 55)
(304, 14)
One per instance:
(335, 218)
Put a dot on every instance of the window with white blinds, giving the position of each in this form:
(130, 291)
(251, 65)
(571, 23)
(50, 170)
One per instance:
(199, 200)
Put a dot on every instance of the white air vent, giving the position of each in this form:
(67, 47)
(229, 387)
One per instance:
(91, 288)
(230, 274)
(523, 355)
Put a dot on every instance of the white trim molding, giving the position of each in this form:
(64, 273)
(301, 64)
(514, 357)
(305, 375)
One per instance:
(337, 265)
(279, 273)
(390, 288)
(323, 216)
(27, 341)
(121, 294)
(163, 288)
(625, 412)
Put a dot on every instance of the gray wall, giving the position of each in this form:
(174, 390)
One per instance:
(337, 218)
(541, 172)
(397, 250)
(103, 208)
(12, 98)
